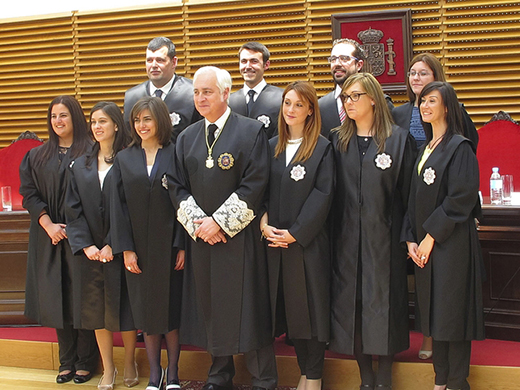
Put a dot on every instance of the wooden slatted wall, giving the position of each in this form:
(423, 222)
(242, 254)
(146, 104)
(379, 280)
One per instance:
(36, 65)
(98, 55)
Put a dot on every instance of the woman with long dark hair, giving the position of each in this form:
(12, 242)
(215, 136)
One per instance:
(374, 160)
(423, 69)
(103, 295)
(442, 238)
(51, 277)
(301, 185)
(145, 230)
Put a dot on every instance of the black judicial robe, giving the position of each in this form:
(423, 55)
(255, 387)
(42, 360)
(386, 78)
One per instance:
(142, 219)
(102, 286)
(226, 295)
(403, 113)
(367, 214)
(449, 287)
(179, 102)
(266, 107)
(49, 267)
(302, 207)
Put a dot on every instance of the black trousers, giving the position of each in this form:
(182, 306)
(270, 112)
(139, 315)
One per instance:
(310, 355)
(78, 349)
(451, 363)
(261, 364)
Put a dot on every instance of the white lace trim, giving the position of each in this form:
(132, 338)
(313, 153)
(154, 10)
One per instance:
(233, 216)
(188, 212)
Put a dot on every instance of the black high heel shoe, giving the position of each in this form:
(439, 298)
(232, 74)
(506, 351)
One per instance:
(64, 378)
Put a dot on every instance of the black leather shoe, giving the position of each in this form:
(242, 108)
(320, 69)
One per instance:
(64, 378)
(258, 388)
(366, 387)
(140, 337)
(212, 386)
(82, 378)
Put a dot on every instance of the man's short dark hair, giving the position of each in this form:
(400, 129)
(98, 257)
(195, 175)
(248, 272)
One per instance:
(359, 53)
(256, 47)
(158, 42)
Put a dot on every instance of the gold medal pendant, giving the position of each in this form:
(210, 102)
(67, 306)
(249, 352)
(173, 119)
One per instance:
(210, 162)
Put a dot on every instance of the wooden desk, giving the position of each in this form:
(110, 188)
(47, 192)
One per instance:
(14, 241)
(499, 234)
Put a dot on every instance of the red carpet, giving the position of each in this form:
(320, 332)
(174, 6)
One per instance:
(484, 353)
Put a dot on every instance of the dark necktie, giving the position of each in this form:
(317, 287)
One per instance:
(211, 133)
(251, 101)
(158, 93)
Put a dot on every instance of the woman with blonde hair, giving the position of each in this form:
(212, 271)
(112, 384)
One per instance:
(374, 160)
(301, 185)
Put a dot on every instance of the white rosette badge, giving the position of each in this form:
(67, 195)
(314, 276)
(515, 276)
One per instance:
(383, 161)
(297, 172)
(265, 120)
(429, 176)
(164, 181)
(176, 118)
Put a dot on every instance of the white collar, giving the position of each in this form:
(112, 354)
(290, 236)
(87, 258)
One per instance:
(220, 122)
(257, 88)
(337, 91)
(165, 88)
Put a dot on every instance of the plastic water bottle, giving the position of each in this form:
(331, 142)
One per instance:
(495, 187)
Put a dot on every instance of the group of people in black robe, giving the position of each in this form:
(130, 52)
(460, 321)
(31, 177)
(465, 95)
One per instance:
(117, 214)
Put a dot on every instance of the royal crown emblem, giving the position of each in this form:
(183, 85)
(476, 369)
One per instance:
(375, 52)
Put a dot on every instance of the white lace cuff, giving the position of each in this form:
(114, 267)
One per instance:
(188, 212)
(233, 216)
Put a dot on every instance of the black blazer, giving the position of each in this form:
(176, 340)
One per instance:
(179, 101)
(265, 109)
(403, 114)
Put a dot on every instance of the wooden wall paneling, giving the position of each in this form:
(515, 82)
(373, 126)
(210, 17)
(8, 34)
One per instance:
(216, 32)
(482, 58)
(36, 65)
(425, 24)
(111, 49)
(98, 55)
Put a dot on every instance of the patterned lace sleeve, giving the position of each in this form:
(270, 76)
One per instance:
(188, 212)
(234, 215)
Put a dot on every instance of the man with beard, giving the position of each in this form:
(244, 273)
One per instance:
(257, 99)
(346, 58)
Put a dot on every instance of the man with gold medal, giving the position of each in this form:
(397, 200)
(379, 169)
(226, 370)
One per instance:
(222, 170)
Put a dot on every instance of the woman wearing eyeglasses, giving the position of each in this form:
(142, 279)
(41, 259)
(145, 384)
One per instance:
(425, 68)
(374, 160)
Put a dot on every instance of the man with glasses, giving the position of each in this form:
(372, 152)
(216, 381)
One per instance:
(346, 58)
(257, 99)
(176, 91)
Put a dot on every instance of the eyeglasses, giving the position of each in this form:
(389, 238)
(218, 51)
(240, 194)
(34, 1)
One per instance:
(354, 97)
(342, 59)
(422, 73)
